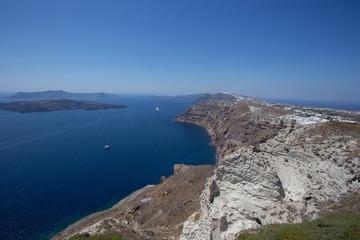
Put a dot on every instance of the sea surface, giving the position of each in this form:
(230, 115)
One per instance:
(54, 169)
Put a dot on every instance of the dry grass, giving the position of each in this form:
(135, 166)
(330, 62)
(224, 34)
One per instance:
(337, 128)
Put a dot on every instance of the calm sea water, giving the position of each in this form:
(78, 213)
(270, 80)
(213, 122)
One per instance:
(54, 170)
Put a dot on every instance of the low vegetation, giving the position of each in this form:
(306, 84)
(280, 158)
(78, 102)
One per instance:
(339, 221)
(337, 226)
(104, 236)
(350, 128)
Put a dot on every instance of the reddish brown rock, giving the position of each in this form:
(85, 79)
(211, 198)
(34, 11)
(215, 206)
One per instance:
(162, 179)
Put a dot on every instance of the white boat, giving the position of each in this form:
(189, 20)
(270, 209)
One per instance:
(157, 109)
(106, 147)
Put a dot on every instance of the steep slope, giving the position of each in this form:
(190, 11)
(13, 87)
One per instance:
(233, 126)
(271, 169)
(224, 96)
(154, 212)
(276, 164)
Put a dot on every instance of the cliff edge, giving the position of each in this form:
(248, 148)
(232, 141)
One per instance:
(272, 168)
(276, 164)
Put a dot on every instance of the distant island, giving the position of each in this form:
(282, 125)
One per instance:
(204, 98)
(276, 163)
(189, 97)
(58, 94)
(55, 105)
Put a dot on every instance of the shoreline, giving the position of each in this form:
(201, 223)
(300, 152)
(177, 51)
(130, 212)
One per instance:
(212, 141)
(275, 188)
(95, 215)
(163, 208)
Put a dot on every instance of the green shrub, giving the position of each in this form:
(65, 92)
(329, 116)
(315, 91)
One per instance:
(339, 226)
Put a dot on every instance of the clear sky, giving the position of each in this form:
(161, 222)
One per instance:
(273, 49)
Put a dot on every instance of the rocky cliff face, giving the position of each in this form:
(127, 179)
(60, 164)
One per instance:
(271, 170)
(233, 126)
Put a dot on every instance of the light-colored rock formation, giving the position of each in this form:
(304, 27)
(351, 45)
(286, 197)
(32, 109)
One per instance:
(275, 165)
(232, 125)
(283, 179)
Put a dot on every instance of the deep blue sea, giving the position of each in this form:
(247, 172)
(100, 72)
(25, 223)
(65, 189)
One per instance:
(54, 170)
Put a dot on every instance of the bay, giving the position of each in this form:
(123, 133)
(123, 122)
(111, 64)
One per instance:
(54, 170)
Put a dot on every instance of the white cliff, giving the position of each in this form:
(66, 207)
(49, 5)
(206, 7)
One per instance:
(283, 180)
(275, 165)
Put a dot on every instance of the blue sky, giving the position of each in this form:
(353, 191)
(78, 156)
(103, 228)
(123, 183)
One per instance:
(271, 49)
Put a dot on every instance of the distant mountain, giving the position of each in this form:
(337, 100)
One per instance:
(191, 96)
(55, 105)
(58, 94)
(224, 96)
(204, 98)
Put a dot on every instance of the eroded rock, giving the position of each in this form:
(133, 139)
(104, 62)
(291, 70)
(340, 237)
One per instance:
(268, 176)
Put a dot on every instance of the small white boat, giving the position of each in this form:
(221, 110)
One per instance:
(106, 147)
(157, 109)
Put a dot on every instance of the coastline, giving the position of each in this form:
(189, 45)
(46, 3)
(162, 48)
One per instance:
(273, 168)
(112, 212)
(212, 141)
(72, 229)
(49, 105)
(82, 136)
(264, 138)
(154, 211)
(69, 230)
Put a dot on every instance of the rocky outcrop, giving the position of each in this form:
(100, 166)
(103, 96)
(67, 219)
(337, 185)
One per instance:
(154, 212)
(206, 98)
(271, 170)
(233, 126)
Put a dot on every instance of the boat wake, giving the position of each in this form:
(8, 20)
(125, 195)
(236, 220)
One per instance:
(34, 137)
